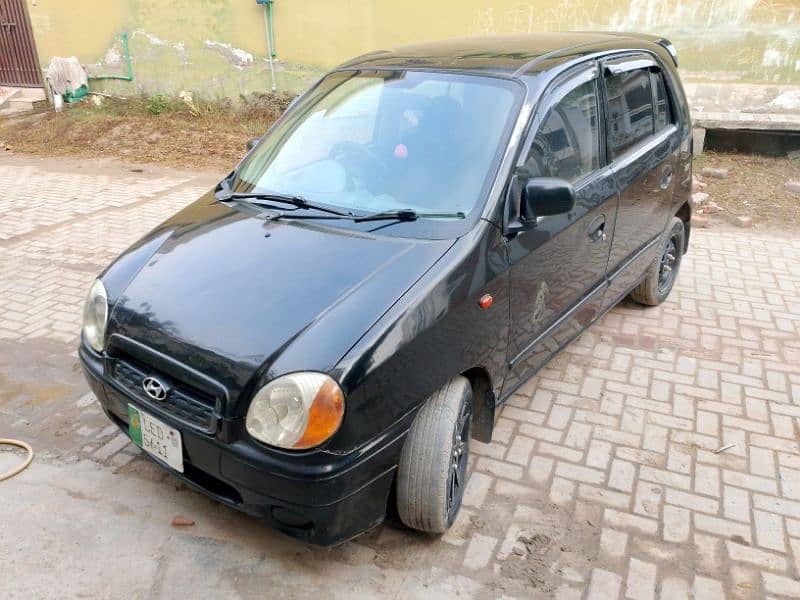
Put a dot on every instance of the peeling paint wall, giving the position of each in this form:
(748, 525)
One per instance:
(218, 47)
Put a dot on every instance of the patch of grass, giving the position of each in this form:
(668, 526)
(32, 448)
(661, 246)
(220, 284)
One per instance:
(157, 103)
(179, 131)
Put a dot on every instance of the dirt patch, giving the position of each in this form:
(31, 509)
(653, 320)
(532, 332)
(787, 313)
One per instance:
(173, 132)
(754, 187)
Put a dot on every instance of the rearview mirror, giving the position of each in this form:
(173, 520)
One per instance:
(252, 143)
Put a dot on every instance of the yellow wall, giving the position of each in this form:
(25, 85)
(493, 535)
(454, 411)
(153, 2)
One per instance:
(175, 43)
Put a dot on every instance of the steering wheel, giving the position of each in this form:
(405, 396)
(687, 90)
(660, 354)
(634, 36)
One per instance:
(359, 161)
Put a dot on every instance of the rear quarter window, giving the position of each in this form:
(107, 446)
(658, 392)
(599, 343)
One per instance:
(663, 115)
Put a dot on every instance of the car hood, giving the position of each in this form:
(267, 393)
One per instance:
(234, 297)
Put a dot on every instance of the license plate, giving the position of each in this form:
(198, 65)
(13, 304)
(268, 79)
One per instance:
(156, 437)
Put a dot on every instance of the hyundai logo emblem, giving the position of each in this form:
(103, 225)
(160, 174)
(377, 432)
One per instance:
(154, 388)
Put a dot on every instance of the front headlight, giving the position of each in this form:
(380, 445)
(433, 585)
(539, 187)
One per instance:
(296, 411)
(95, 315)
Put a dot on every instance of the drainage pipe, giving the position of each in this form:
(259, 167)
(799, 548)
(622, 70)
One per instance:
(270, 33)
(271, 20)
(129, 76)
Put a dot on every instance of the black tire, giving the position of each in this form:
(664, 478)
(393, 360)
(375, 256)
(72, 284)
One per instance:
(663, 271)
(432, 473)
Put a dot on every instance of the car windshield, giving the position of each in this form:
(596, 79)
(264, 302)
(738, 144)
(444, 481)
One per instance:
(385, 140)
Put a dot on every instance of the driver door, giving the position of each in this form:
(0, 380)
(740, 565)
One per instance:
(558, 267)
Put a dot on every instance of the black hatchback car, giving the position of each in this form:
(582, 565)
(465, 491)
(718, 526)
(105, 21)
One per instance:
(316, 340)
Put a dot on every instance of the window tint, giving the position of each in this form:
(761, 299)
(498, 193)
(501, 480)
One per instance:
(630, 109)
(663, 116)
(567, 143)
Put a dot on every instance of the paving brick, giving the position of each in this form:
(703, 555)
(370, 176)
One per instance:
(722, 527)
(674, 588)
(578, 473)
(769, 530)
(613, 543)
(480, 551)
(603, 585)
(599, 454)
(498, 468)
(520, 450)
(603, 496)
(112, 447)
(622, 475)
(562, 491)
(665, 477)
(677, 524)
(766, 560)
(736, 504)
(641, 581)
(558, 451)
(691, 501)
(648, 499)
(707, 553)
(751, 482)
(477, 489)
(762, 462)
(781, 585)
(540, 469)
(623, 520)
(706, 480)
(708, 589)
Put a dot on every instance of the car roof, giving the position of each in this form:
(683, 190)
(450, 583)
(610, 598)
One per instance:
(516, 55)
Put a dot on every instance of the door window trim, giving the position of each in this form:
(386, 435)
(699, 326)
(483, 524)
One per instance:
(629, 63)
(632, 62)
(553, 94)
(635, 152)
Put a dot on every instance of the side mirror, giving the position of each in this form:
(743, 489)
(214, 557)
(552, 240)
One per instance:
(538, 197)
(252, 143)
(545, 196)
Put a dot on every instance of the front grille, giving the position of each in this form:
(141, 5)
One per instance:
(186, 403)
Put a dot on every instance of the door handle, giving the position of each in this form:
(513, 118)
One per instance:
(666, 177)
(597, 230)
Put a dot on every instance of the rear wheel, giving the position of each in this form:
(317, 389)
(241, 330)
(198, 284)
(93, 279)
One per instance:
(432, 473)
(663, 271)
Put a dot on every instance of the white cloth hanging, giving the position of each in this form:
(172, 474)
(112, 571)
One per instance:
(65, 74)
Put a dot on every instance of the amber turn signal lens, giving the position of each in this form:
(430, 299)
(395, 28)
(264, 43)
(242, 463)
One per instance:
(485, 301)
(324, 416)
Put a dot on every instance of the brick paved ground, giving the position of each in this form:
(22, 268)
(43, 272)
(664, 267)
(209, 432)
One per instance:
(602, 482)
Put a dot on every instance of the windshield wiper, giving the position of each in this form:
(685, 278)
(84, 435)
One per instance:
(404, 214)
(407, 214)
(297, 201)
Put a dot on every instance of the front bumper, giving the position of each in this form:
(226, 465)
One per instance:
(327, 500)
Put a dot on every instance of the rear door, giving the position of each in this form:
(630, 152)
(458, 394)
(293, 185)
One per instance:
(559, 266)
(643, 146)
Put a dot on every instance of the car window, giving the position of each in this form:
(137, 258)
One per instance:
(663, 113)
(630, 109)
(567, 144)
(386, 140)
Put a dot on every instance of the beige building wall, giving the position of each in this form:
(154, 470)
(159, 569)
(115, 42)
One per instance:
(218, 47)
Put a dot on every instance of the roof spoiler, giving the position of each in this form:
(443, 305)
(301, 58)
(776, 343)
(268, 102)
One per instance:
(668, 46)
(655, 39)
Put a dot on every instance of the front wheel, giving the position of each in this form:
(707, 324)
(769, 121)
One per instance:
(662, 273)
(432, 473)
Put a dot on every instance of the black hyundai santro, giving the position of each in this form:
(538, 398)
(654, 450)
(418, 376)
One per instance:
(316, 340)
